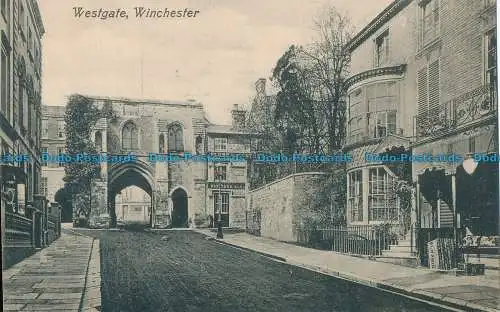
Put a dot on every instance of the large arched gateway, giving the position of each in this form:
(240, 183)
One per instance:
(123, 175)
(139, 140)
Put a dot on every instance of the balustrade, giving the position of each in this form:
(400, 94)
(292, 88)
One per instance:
(467, 108)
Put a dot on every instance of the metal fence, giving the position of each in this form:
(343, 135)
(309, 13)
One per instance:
(26, 230)
(365, 240)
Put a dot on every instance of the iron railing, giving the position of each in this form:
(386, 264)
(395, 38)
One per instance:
(18, 230)
(468, 107)
(367, 240)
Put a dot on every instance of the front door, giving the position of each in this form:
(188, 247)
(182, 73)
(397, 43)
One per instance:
(221, 208)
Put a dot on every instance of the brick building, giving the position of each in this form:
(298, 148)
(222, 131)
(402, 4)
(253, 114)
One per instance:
(430, 86)
(456, 61)
(381, 103)
(180, 191)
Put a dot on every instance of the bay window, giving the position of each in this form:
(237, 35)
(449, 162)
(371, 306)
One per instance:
(381, 202)
(381, 124)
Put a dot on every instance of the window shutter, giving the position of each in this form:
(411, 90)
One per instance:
(434, 89)
(422, 92)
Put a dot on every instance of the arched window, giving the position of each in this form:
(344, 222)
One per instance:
(175, 139)
(161, 144)
(98, 141)
(130, 136)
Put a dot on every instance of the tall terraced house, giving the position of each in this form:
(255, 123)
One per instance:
(21, 30)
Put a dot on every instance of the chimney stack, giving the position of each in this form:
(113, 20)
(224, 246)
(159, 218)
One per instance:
(260, 85)
(238, 116)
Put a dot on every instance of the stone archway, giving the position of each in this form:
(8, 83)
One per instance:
(124, 175)
(180, 217)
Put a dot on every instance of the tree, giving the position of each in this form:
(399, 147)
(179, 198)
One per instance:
(80, 117)
(311, 82)
(307, 115)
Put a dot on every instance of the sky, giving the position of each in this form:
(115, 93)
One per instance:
(214, 58)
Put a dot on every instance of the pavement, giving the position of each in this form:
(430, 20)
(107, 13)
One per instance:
(55, 278)
(469, 293)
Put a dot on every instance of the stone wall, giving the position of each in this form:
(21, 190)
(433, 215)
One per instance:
(286, 204)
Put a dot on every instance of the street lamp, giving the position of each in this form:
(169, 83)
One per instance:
(218, 176)
(469, 164)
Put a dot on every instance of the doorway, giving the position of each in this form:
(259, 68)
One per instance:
(221, 204)
(180, 209)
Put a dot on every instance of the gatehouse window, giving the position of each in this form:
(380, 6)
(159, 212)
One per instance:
(98, 141)
(355, 196)
(175, 138)
(130, 136)
(161, 144)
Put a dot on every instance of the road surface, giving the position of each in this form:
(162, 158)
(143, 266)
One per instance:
(181, 271)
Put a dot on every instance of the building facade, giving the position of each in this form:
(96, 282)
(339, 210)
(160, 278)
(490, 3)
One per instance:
(53, 138)
(133, 205)
(381, 102)
(21, 30)
(429, 89)
(170, 142)
(457, 114)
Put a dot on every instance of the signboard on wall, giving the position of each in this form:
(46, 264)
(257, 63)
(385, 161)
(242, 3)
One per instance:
(222, 185)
